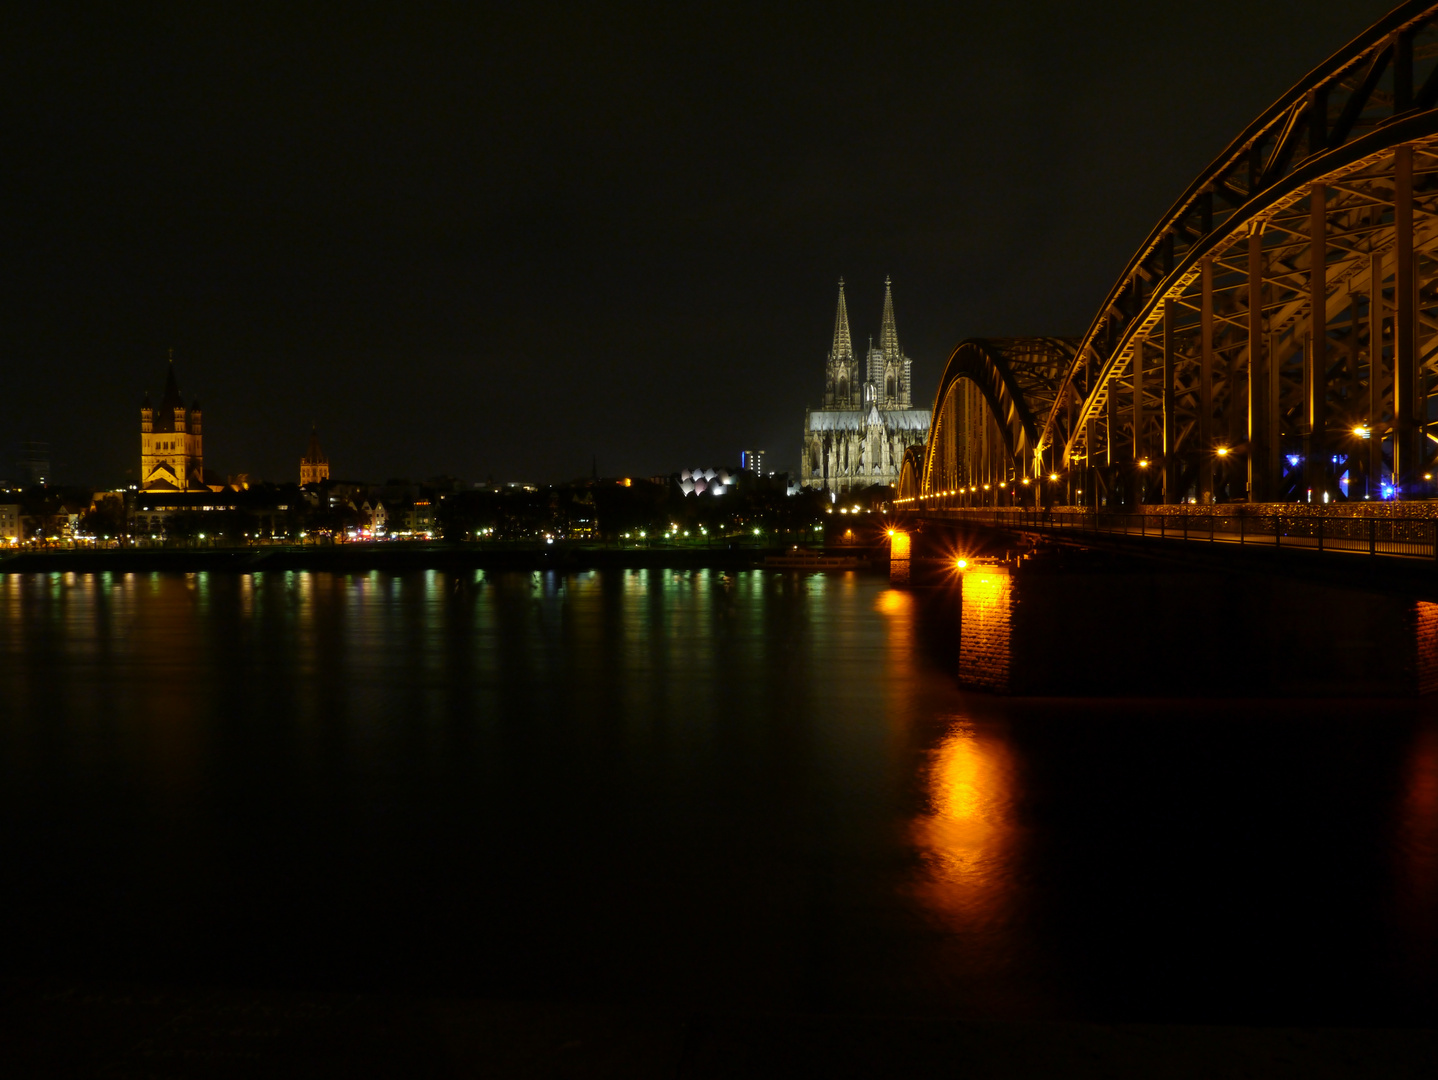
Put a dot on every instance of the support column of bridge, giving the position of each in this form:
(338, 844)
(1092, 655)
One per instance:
(1377, 369)
(1407, 417)
(1205, 382)
(1139, 475)
(1262, 395)
(1317, 468)
(1111, 487)
(1170, 418)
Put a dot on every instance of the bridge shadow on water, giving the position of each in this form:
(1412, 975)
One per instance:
(1066, 622)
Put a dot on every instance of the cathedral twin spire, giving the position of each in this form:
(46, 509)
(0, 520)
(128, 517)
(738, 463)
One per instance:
(888, 367)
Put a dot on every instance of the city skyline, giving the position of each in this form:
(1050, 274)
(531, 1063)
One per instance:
(453, 245)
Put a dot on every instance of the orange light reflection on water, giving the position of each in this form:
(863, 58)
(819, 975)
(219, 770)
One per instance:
(970, 840)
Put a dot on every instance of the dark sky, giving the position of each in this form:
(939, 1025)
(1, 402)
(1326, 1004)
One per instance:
(501, 240)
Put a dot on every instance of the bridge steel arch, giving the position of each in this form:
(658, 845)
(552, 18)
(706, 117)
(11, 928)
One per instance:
(983, 431)
(1276, 336)
(911, 473)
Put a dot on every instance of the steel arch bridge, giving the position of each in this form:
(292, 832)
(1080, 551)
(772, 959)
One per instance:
(1275, 338)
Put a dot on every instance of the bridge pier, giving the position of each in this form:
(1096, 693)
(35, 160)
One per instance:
(986, 615)
(1067, 622)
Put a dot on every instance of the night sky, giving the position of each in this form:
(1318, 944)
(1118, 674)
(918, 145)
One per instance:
(504, 242)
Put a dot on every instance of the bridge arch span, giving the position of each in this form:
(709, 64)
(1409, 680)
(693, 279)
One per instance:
(1275, 338)
(983, 429)
(911, 474)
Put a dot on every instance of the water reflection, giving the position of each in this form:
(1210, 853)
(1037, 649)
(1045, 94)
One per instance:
(742, 789)
(970, 840)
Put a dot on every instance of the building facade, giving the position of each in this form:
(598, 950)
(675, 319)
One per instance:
(171, 447)
(859, 437)
(314, 466)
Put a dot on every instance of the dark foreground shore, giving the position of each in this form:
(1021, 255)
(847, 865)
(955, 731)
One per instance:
(356, 558)
(55, 1029)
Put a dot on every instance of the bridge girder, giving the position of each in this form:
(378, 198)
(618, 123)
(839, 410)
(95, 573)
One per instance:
(911, 474)
(983, 427)
(1208, 348)
(1277, 329)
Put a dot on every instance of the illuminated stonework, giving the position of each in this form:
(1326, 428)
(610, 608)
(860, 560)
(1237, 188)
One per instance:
(314, 466)
(899, 549)
(859, 437)
(171, 449)
(985, 657)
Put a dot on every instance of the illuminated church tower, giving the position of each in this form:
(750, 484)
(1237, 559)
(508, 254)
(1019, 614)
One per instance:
(841, 376)
(171, 450)
(314, 466)
(889, 368)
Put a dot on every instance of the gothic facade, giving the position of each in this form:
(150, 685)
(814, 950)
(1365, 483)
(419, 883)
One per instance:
(171, 448)
(859, 437)
(314, 466)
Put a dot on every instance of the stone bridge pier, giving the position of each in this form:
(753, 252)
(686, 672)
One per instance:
(1058, 622)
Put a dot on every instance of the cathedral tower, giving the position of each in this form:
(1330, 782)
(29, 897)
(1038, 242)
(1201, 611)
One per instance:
(841, 371)
(171, 448)
(314, 466)
(888, 367)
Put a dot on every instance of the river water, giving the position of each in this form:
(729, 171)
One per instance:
(708, 790)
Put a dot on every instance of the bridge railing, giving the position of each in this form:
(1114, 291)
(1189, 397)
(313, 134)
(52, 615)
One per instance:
(1392, 537)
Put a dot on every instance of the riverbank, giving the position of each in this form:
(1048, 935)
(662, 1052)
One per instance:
(398, 557)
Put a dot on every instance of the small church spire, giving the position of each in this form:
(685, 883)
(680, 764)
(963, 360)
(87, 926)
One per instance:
(888, 332)
(843, 347)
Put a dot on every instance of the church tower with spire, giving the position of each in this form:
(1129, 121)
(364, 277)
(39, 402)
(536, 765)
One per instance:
(314, 466)
(888, 367)
(841, 372)
(859, 437)
(171, 446)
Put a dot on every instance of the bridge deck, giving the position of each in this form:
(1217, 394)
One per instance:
(1414, 539)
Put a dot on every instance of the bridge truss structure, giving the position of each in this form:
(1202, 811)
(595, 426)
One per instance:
(1275, 338)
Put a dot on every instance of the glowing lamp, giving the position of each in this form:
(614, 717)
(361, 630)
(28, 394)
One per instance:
(1143, 464)
(960, 564)
(1053, 476)
(1222, 451)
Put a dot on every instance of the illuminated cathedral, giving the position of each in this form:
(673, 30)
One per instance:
(859, 437)
(171, 450)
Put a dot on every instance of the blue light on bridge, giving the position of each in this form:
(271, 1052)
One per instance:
(1294, 459)
(1386, 491)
